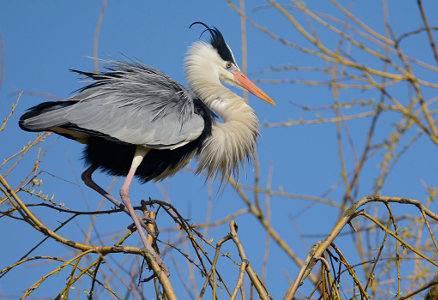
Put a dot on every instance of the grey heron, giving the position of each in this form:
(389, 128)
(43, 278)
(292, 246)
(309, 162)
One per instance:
(136, 121)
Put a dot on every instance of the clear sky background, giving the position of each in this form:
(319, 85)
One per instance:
(44, 39)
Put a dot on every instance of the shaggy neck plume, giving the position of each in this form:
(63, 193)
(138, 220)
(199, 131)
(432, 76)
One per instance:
(233, 141)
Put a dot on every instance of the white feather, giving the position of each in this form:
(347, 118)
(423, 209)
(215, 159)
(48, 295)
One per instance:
(234, 140)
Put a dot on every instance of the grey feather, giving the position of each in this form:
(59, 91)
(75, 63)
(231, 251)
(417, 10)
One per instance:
(131, 103)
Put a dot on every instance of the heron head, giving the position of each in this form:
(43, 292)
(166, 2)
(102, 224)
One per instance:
(227, 68)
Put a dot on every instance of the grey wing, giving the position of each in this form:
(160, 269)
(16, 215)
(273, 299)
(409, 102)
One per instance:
(136, 104)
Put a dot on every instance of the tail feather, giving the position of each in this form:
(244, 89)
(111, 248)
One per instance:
(45, 116)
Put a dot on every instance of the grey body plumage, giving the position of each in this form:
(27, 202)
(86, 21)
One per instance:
(131, 103)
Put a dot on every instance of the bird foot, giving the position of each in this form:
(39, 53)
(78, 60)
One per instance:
(147, 218)
(146, 221)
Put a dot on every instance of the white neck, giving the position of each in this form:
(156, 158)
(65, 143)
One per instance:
(234, 140)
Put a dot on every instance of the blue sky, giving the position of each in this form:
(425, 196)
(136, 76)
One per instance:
(44, 39)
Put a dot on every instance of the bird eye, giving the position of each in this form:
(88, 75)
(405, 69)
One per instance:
(229, 65)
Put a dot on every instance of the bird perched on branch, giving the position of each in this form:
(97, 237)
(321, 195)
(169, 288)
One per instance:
(136, 121)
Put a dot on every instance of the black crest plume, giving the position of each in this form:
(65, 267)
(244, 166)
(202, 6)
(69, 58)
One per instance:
(217, 41)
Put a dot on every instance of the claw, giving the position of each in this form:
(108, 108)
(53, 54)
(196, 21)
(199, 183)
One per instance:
(145, 220)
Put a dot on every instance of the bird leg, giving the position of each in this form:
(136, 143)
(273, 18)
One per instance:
(88, 180)
(140, 153)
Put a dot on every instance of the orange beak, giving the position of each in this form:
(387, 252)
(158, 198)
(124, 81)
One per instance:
(248, 85)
